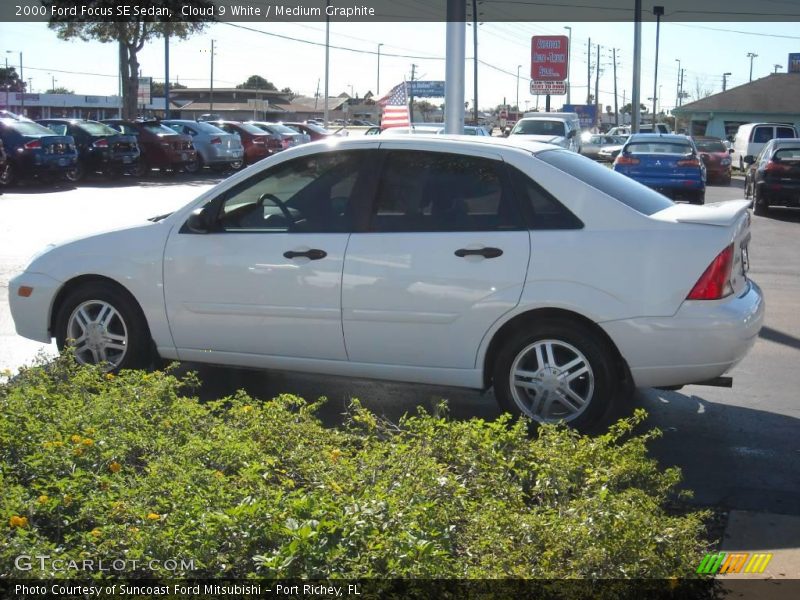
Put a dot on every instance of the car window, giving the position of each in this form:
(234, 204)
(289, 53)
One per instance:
(437, 191)
(710, 146)
(788, 154)
(631, 193)
(57, 128)
(539, 127)
(158, 128)
(26, 128)
(660, 147)
(786, 132)
(97, 128)
(762, 135)
(308, 194)
(542, 210)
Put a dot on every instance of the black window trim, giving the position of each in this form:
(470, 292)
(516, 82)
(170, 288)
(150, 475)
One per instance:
(514, 174)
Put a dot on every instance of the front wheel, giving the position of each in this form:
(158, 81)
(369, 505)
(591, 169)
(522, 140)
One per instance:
(557, 370)
(104, 326)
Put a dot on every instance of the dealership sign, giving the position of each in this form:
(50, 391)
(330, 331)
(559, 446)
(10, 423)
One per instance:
(549, 57)
(794, 63)
(553, 88)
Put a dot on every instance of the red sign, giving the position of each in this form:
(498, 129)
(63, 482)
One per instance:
(549, 57)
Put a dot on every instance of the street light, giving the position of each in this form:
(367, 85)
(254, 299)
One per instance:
(751, 56)
(657, 11)
(569, 61)
(378, 86)
(777, 66)
(518, 68)
(725, 81)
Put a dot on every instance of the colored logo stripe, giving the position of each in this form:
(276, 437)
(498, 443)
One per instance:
(734, 562)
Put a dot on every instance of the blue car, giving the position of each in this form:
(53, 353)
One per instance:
(36, 152)
(666, 163)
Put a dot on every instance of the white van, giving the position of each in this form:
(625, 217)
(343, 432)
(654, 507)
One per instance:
(559, 128)
(751, 137)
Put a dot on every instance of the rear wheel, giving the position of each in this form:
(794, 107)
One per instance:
(76, 173)
(557, 370)
(760, 203)
(193, 166)
(104, 326)
(237, 164)
(7, 175)
(140, 169)
(698, 197)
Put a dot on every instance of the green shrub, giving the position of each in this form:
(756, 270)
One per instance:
(95, 465)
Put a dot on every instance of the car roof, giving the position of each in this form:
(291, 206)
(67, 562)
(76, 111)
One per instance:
(658, 137)
(788, 141)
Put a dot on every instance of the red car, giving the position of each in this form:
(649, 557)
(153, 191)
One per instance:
(314, 131)
(160, 146)
(257, 143)
(716, 157)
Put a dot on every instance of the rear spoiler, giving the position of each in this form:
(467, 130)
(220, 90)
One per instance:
(721, 214)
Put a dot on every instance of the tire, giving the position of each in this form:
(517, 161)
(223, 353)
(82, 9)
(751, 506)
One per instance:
(76, 173)
(8, 175)
(95, 312)
(698, 198)
(585, 402)
(237, 165)
(760, 204)
(141, 169)
(192, 166)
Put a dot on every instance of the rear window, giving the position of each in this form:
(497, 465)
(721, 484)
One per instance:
(158, 128)
(539, 127)
(250, 129)
(97, 128)
(787, 154)
(276, 128)
(206, 128)
(658, 148)
(26, 128)
(710, 146)
(631, 193)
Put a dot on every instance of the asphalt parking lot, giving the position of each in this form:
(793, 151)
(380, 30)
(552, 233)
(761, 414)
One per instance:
(738, 447)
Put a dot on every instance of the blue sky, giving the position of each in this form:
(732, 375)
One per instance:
(706, 51)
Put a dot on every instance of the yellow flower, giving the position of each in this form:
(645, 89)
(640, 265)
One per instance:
(17, 521)
(67, 499)
(153, 516)
(91, 431)
(335, 454)
(43, 499)
(133, 529)
(114, 467)
(75, 439)
(166, 423)
(77, 451)
(109, 376)
(58, 444)
(96, 532)
(336, 487)
(219, 474)
(247, 408)
(87, 442)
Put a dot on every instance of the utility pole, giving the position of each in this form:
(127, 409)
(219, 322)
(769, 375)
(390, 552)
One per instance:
(637, 65)
(569, 63)
(411, 96)
(597, 86)
(378, 85)
(316, 96)
(166, 75)
(751, 56)
(22, 79)
(517, 105)
(454, 68)
(327, 63)
(616, 107)
(657, 11)
(683, 72)
(589, 72)
(678, 83)
(211, 88)
(475, 59)
(725, 81)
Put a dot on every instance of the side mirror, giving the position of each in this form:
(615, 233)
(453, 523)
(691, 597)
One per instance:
(199, 221)
(749, 159)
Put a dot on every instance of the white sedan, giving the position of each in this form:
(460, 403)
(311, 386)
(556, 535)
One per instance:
(471, 262)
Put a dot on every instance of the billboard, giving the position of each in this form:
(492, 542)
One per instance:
(794, 63)
(587, 113)
(552, 88)
(143, 96)
(426, 89)
(549, 57)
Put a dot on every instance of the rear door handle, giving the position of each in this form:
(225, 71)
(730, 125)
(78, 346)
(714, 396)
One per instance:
(484, 252)
(313, 254)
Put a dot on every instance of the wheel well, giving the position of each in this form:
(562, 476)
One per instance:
(77, 282)
(520, 321)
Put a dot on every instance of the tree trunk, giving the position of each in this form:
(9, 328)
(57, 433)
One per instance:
(129, 72)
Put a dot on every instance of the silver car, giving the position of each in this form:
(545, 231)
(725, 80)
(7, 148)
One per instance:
(215, 147)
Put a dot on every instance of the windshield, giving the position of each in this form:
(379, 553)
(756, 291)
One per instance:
(94, 128)
(659, 147)
(539, 127)
(710, 146)
(626, 190)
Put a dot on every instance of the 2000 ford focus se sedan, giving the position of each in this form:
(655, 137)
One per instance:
(443, 260)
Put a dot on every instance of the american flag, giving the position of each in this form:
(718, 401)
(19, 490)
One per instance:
(395, 107)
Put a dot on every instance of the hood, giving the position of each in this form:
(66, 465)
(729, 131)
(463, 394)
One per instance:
(547, 139)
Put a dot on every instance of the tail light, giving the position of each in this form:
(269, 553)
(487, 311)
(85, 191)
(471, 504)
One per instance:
(776, 167)
(33, 145)
(689, 162)
(215, 140)
(715, 282)
(103, 143)
(624, 159)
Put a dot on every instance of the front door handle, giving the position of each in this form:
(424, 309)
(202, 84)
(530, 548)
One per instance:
(484, 252)
(313, 254)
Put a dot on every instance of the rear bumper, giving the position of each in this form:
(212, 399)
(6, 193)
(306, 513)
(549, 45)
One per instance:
(703, 340)
(785, 193)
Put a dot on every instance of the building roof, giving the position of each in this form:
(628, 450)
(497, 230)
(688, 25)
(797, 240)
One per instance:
(231, 106)
(306, 104)
(775, 94)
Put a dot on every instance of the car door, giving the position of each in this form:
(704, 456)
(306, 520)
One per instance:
(265, 279)
(445, 256)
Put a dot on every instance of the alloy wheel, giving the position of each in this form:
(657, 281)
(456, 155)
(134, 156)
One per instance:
(98, 334)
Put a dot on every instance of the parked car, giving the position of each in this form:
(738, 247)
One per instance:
(666, 163)
(716, 157)
(161, 147)
(35, 152)
(609, 153)
(257, 143)
(412, 261)
(751, 137)
(289, 137)
(101, 149)
(559, 131)
(361, 123)
(3, 163)
(314, 131)
(592, 144)
(215, 148)
(773, 178)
